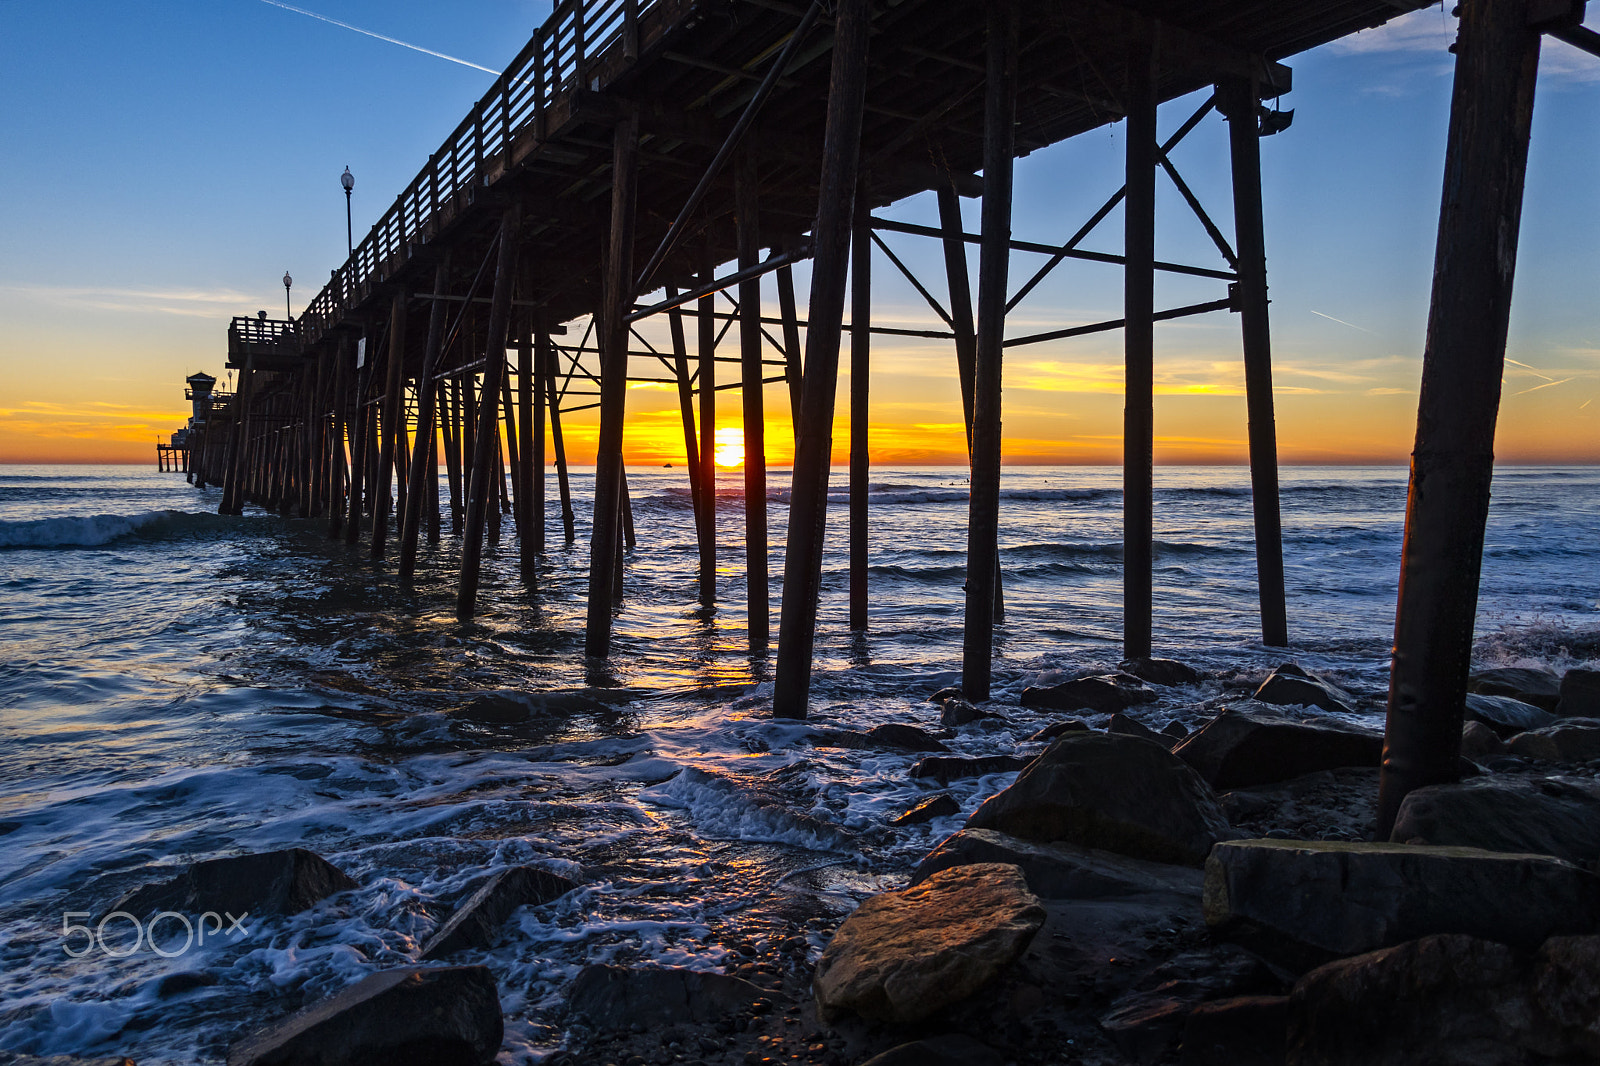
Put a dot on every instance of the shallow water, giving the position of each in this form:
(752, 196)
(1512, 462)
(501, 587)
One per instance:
(178, 685)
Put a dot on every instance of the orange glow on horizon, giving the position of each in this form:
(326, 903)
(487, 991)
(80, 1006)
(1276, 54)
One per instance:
(729, 450)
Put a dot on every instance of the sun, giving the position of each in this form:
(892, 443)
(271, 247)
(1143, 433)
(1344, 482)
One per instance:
(729, 449)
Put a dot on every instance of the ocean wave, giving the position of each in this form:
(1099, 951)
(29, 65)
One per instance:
(93, 531)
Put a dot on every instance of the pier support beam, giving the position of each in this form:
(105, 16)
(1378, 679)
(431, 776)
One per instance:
(707, 330)
(422, 456)
(808, 508)
(394, 418)
(1447, 506)
(1138, 298)
(360, 421)
(530, 527)
(983, 515)
(860, 377)
(747, 210)
(1238, 101)
(605, 541)
(486, 441)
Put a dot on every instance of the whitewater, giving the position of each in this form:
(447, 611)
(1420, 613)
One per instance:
(177, 685)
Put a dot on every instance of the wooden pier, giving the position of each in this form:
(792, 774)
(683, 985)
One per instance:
(639, 158)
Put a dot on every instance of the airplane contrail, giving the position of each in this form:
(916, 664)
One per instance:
(379, 36)
(1319, 314)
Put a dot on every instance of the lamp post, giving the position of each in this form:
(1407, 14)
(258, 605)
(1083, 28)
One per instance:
(287, 281)
(348, 180)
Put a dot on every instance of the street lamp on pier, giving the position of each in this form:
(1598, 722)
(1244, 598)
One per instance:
(348, 180)
(287, 281)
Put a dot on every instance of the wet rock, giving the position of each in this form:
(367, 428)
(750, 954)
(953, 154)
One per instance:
(1239, 1031)
(904, 737)
(1505, 715)
(1060, 871)
(903, 956)
(475, 922)
(950, 1049)
(11, 1058)
(1304, 902)
(1166, 672)
(1118, 793)
(1290, 685)
(272, 882)
(448, 1015)
(1132, 727)
(945, 693)
(1060, 729)
(1540, 687)
(1580, 694)
(1148, 1019)
(947, 768)
(615, 997)
(956, 711)
(1104, 695)
(176, 984)
(1239, 750)
(511, 706)
(941, 806)
(1478, 741)
(1545, 816)
(1176, 731)
(1568, 740)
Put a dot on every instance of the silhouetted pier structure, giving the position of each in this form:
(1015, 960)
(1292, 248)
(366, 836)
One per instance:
(638, 158)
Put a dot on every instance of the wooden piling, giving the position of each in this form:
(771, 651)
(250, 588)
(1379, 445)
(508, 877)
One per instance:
(1138, 296)
(613, 341)
(860, 373)
(422, 457)
(983, 514)
(791, 343)
(1238, 101)
(542, 357)
(747, 214)
(563, 483)
(486, 439)
(808, 507)
(360, 437)
(530, 533)
(691, 441)
(1447, 506)
(394, 405)
(706, 327)
(452, 450)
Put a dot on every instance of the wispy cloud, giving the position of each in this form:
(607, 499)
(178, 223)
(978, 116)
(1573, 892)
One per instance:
(194, 303)
(1429, 30)
(379, 36)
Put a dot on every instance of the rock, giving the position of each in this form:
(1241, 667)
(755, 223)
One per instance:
(272, 882)
(1240, 1031)
(1478, 741)
(1145, 1021)
(12, 1058)
(1568, 740)
(903, 956)
(1545, 816)
(447, 1015)
(1060, 871)
(1304, 902)
(941, 806)
(1166, 672)
(1118, 793)
(475, 922)
(945, 693)
(1290, 685)
(1132, 727)
(1104, 695)
(1060, 729)
(615, 997)
(956, 711)
(904, 737)
(1239, 750)
(946, 768)
(1505, 715)
(1580, 694)
(1540, 687)
(1176, 731)
(949, 1049)
(176, 984)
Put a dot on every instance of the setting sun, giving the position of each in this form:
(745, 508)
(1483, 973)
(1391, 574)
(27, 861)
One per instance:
(730, 446)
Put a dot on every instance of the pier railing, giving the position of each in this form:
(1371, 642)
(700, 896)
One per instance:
(555, 61)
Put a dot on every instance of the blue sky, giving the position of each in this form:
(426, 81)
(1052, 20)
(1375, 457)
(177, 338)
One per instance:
(166, 160)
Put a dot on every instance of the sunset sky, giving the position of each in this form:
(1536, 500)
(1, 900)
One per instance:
(167, 160)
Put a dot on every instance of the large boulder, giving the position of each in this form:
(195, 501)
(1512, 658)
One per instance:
(1238, 1031)
(272, 882)
(415, 1016)
(1478, 741)
(947, 768)
(904, 737)
(1060, 871)
(1580, 694)
(475, 922)
(903, 956)
(1121, 723)
(615, 997)
(1289, 685)
(1165, 672)
(1305, 902)
(1104, 695)
(1114, 792)
(1534, 685)
(1569, 740)
(1557, 816)
(1147, 1019)
(941, 805)
(1505, 715)
(1240, 750)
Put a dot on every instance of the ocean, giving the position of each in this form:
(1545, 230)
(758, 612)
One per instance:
(176, 685)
